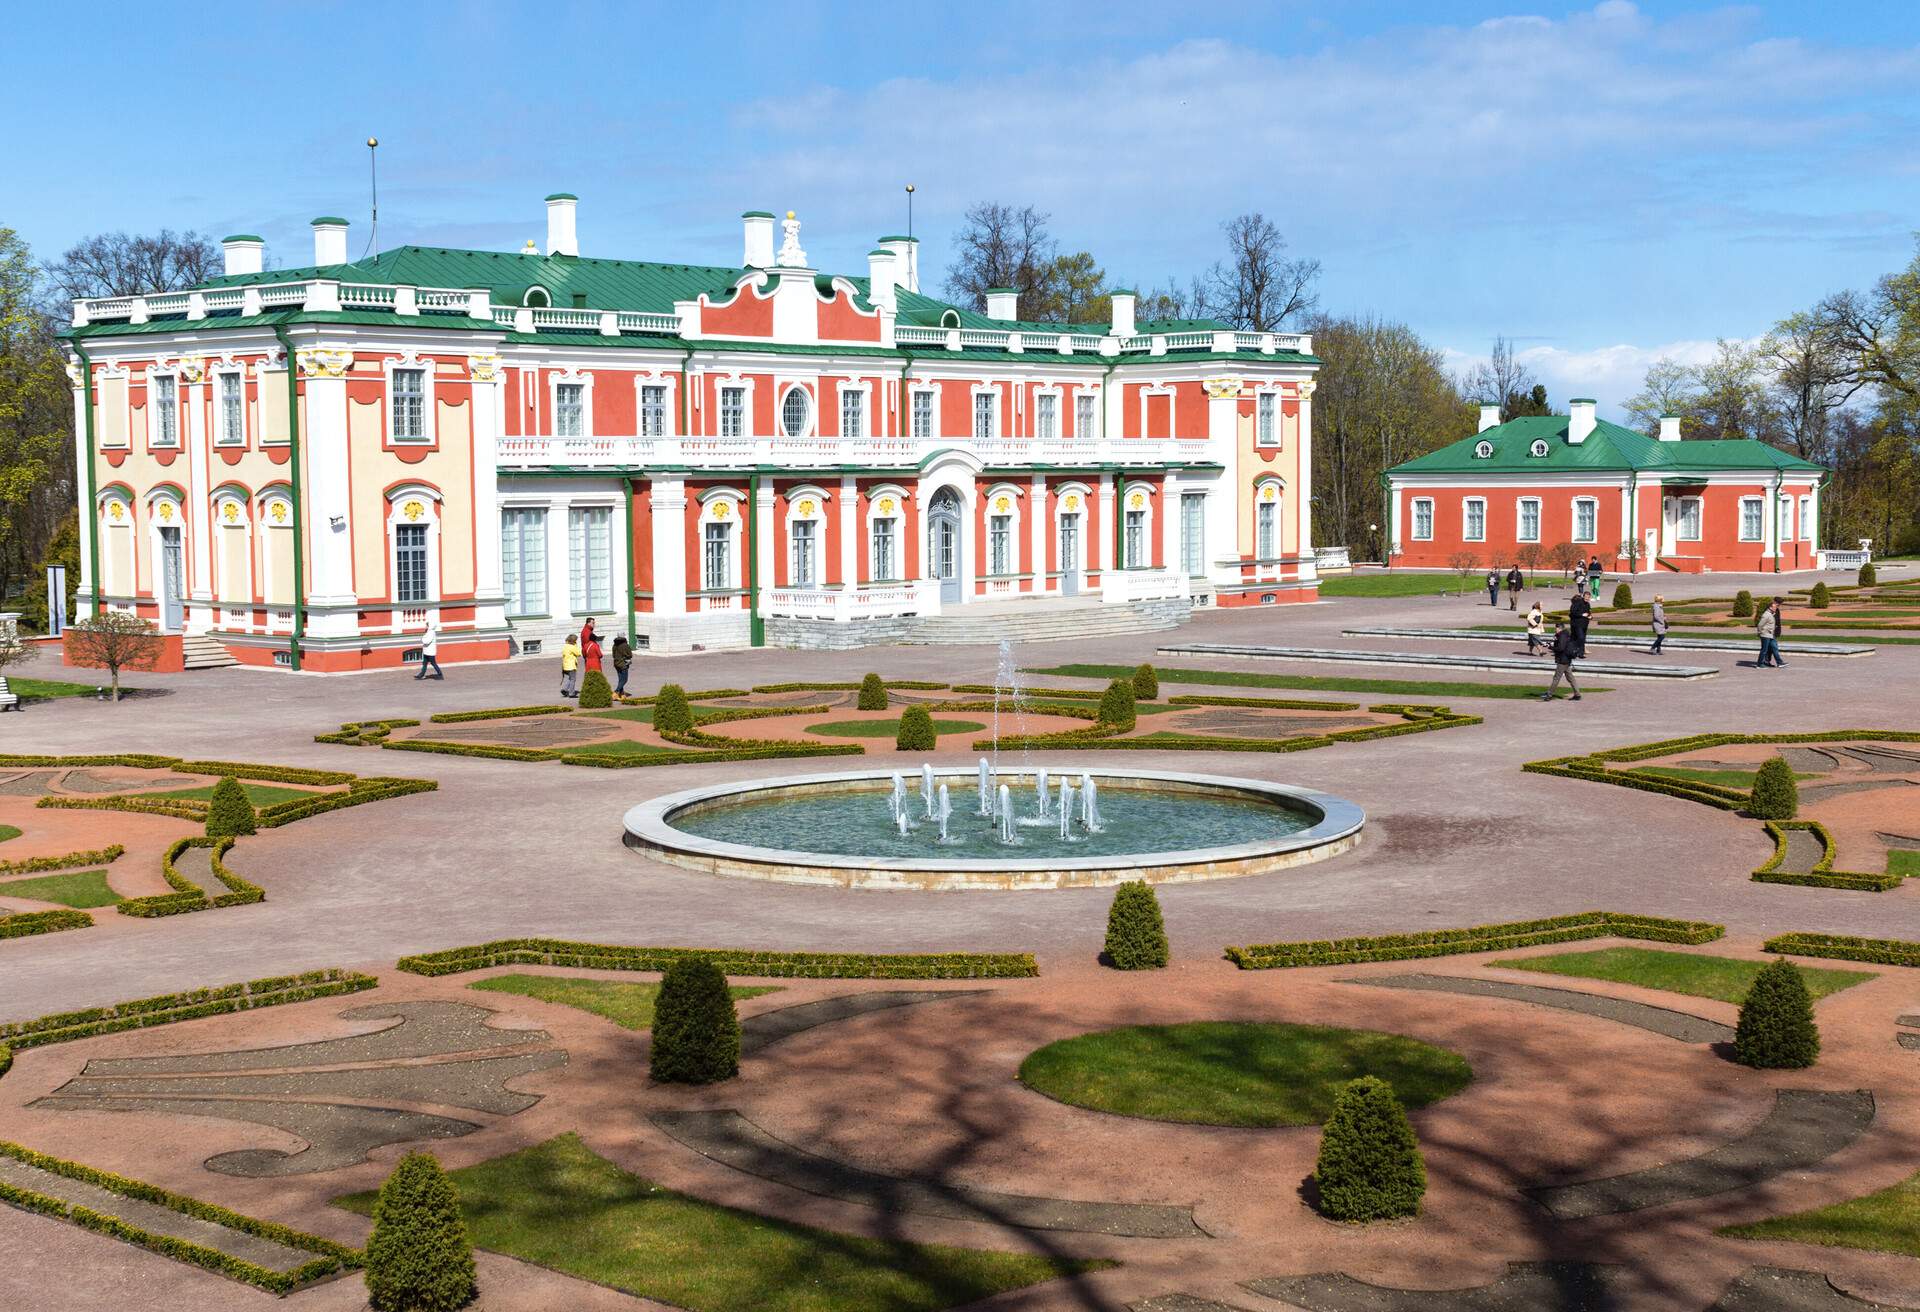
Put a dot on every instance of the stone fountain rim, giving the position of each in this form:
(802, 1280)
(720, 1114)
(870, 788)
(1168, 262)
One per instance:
(648, 827)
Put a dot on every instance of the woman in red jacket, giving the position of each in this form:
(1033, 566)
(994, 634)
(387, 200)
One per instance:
(589, 647)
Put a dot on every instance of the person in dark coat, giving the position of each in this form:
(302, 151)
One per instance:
(622, 661)
(1493, 587)
(1565, 653)
(1779, 630)
(1514, 583)
(1659, 618)
(1579, 615)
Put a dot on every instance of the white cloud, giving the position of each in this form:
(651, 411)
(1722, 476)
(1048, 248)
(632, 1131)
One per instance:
(1608, 374)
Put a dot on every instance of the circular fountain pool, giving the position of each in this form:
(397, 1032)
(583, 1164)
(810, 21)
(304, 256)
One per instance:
(864, 830)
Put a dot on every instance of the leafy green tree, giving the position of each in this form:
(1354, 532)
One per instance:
(1369, 1167)
(1136, 933)
(36, 423)
(1777, 1029)
(419, 1258)
(696, 1031)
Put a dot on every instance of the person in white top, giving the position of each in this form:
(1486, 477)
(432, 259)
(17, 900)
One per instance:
(1536, 629)
(430, 651)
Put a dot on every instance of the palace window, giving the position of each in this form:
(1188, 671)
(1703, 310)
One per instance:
(796, 412)
(589, 558)
(1752, 519)
(409, 396)
(166, 411)
(885, 566)
(1266, 411)
(1136, 540)
(653, 410)
(523, 560)
(1193, 532)
(1474, 519)
(569, 409)
(1586, 520)
(923, 412)
(986, 416)
(800, 543)
(1689, 529)
(1084, 418)
(733, 412)
(1266, 530)
(231, 430)
(853, 412)
(1423, 519)
(1000, 544)
(1806, 518)
(1785, 528)
(410, 564)
(1529, 517)
(1046, 411)
(716, 560)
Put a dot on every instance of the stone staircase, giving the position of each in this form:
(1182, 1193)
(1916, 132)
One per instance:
(1049, 620)
(202, 652)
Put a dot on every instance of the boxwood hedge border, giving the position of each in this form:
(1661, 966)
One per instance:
(1474, 938)
(1415, 718)
(1846, 947)
(745, 962)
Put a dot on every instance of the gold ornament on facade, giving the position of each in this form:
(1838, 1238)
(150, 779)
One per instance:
(116, 511)
(1072, 502)
(166, 510)
(1137, 501)
(1222, 389)
(1001, 505)
(1306, 389)
(278, 512)
(721, 509)
(193, 369)
(886, 505)
(1269, 492)
(325, 364)
(805, 508)
(483, 368)
(230, 511)
(413, 510)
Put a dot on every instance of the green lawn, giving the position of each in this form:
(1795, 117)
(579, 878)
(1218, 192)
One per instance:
(560, 1205)
(1797, 635)
(1902, 861)
(258, 794)
(629, 1006)
(1883, 1222)
(78, 888)
(1235, 1072)
(1399, 583)
(628, 747)
(8, 831)
(889, 728)
(1425, 690)
(34, 688)
(1725, 778)
(644, 714)
(1694, 974)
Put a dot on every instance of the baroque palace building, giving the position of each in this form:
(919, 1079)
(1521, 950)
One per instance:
(507, 443)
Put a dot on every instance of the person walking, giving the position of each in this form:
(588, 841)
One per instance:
(1493, 587)
(622, 658)
(1659, 622)
(1579, 615)
(1593, 577)
(1536, 629)
(1565, 652)
(1767, 626)
(570, 666)
(1779, 609)
(430, 651)
(1514, 584)
(1580, 579)
(589, 647)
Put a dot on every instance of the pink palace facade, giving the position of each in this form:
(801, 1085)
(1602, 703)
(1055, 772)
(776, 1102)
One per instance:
(301, 467)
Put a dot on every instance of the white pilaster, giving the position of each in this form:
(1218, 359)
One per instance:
(1038, 525)
(846, 505)
(1170, 513)
(327, 497)
(1302, 506)
(490, 607)
(669, 546)
(197, 512)
(1102, 547)
(89, 513)
(763, 539)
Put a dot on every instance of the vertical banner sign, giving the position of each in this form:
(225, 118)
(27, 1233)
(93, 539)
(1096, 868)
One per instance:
(56, 600)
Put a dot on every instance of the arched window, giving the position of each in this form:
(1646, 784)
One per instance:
(1483, 449)
(1266, 520)
(796, 412)
(883, 537)
(1539, 447)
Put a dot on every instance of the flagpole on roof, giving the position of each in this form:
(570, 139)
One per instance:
(373, 179)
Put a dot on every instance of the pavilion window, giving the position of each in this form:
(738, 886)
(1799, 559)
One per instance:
(653, 410)
(1266, 530)
(1689, 529)
(409, 396)
(1084, 418)
(800, 543)
(1266, 411)
(1529, 519)
(1475, 520)
(1586, 520)
(733, 412)
(569, 409)
(923, 412)
(885, 569)
(1193, 532)
(1046, 417)
(1752, 519)
(853, 412)
(410, 564)
(232, 431)
(1136, 540)
(166, 411)
(1423, 519)
(985, 418)
(589, 558)
(1000, 544)
(716, 561)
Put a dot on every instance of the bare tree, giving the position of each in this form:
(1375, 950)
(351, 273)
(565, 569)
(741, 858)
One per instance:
(1811, 380)
(1466, 564)
(1000, 246)
(1175, 302)
(121, 264)
(1566, 557)
(1257, 288)
(1501, 381)
(114, 641)
(1879, 332)
(1529, 556)
(12, 650)
(1670, 388)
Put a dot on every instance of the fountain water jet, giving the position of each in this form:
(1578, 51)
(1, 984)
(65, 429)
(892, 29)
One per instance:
(986, 787)
(1006, 814)
(1040, 792)
(926, 788)
(946, 811)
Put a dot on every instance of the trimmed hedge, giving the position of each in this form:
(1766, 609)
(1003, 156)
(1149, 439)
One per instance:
(1846, 947)
(98, 856)
(1823, 875)
(25, 924)
(696, 1030)
(596, 694)
(916, 731)
(496, 713)
(1136, 933)
(329, 1257)
(1777, 1030)
(1868, 576)
(1622, 597)
(1742, 605)
(418, 1257)
(229, 813)
(873, 694)
(1117, 706)
(1267, 703)
(166, 1008)
(1775, 795)
(1475, 938)
(731, 961)
(671, 714)
(189, 896)
(1146, 683)
(1821, 597)
(1369, 1168)
(805, 685)
(1416, 719)
(1043, 694)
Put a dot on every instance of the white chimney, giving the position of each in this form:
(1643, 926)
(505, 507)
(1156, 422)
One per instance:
(329, 241)
(1489, 417)
(758, 250)
(244, 253)
(1122, 314)
(906, 253)
(563, 237)
(1580, 419)
(880, 278)
(1003, 303)
(1669, 428)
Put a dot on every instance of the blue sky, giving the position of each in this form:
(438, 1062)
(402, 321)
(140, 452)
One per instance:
(1603, 184)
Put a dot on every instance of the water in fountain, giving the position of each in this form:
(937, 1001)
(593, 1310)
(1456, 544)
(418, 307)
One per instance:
(945, 811)
(1040, 792)
(1066, 810)
(926, 788)
(903, 822)
(1006, 815)
(986, 787)
(1089, 804)
(897, 800)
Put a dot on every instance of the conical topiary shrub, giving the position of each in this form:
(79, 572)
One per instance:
(671, 713)
(1622, 597)
(873, 694)
(1775, 795)
(1868, 577)
(1821, 597)
(1146, 683)
(1369, 1167)
(1776, 1031)
(1116, 705)
(596, 693)
(228, 811)
(696, 1033)
(419, 1258)
(1742, 604)
(916, 731)
(1136, 935)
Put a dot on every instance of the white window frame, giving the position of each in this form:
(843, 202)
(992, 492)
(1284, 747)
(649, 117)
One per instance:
(1011, 514)
(1759, 513)
(1520, 505)
(577, 425)
(428, 427)
(1086, 405)
(652, 421)
(1046, 414)
(1785, 528)
(861, 394)
(1196, 567)
(397, 500)
(990, 394)
(710, 502)
(816, 557)
(1806, 514)
(1467, 506)
(580, 597)
(1268, 431)
(543, 514)
(721, 418)
(1699, 505)
(915, 392)
(895, 522)
(1414, 510)
(172, 441)
(1593, 534)
(223, 435)
(1269, 493)
(812, 420)
(1126, 506)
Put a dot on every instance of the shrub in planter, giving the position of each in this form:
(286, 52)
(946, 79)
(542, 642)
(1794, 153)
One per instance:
(1146, 684)
(1369, 1167)
(596, 694)
(1821, 598)
(696, 1033)
(1776, 1031)
(229, 812)
(1868, 576)
(1136, 935)
(916, 731)
(671, 714)
(1742, 604)
(1775, 794)
(418, 1257)
(873, 694)
(1622, 597)
(1116, 706)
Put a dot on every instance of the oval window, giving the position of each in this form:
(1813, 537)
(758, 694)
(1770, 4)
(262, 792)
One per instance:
(1539, 446)
(1483, 450)
(796, 408)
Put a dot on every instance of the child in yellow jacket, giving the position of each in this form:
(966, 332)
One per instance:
(570, 666)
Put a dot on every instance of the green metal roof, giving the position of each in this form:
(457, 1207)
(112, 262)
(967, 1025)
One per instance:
(329, 218)
(563, 195)
(1608, 449)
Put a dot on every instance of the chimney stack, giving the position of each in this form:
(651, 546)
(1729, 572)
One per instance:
(1669, 428)
(881, 274)
(1003, 304)
(329, 241)
(1123, 302)
(1580, 420)
(906, 254)
(1489, 417)
(244, 253)
(758, 250)
(562, 236)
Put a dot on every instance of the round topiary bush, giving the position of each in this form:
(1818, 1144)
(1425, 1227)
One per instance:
(1146, 683)
(1868, 578)
(916, 731)
(873, 694)
(228, 811)
(419, 1258)
(696, 1033)
(1742, 604)
(1776, 1031)
(671, 713)
(1136, 935)
(1369, 1167)
(1821, 597)
(1622, 597)
(1775, 795)
(1116, 705)
(596, 694)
